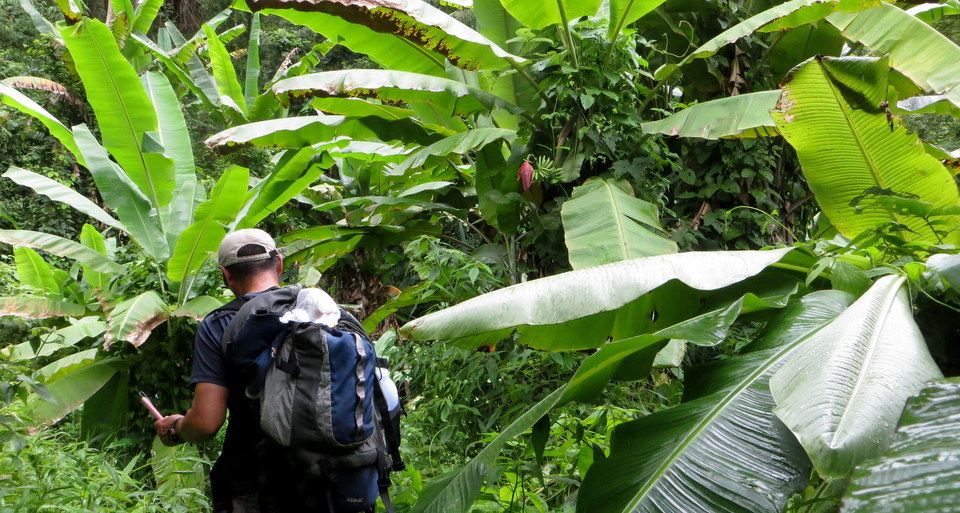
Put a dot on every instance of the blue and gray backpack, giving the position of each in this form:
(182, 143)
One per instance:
(319, 397)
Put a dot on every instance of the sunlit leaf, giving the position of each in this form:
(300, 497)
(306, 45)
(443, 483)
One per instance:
(744, 115)
(134, 319)
(59, 192)
(61, 247)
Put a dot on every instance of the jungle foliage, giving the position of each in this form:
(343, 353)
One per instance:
(551, 213)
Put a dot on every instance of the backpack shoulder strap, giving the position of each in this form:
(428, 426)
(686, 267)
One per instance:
(275, 301)
(350, 323)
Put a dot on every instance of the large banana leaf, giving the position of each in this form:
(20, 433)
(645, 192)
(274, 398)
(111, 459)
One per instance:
(921, 469)
(603, 223)
(204, 235)
(457, 490)
(783, 16)
(173, 136)
(34, 272)
(842, 393)
(303, 131)
(447, 96)
(459, 144)
(408, 35)
(13, 98)
(295, 171)
(123, 196)
(724, 450)
(59, 192)
(536, 15)
(224, 74)
(745, 115)
(574, 295)
(134, 319)
(914, 48)
(845, 150)
(124, 113)
(59, 246)
(68, 390)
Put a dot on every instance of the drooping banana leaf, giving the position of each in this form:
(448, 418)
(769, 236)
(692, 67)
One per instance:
(447, 96)
(407, 35)
(68, 390)
(931, 12)
(787, 15)
(801, 43)
(123, 196)
(59, 192)
(458, 144)
(204, 235)
(300, 132)
(357, 107)
(842, 393)
(924, 55)
(172, 134)
(296, 171)
(745, 115)
(723, 450)
(43, 25)
(30, 307)
(928, 104)
(921, 469)
(134, 319)
(603, 223)
(61, 247)
(13, 98)
(224, 74)
(124, 113)
(547, 303)
(536, 15)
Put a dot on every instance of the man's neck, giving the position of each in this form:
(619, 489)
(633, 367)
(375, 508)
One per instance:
(256, 286)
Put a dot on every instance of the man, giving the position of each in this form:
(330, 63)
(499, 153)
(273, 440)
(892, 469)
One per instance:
(250, 264)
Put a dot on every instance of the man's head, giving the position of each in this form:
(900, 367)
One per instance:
(250, 261)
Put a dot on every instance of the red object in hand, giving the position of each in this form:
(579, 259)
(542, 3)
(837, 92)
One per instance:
(525, 175)
(150, 407)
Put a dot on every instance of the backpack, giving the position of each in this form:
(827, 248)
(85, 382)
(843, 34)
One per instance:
(320, 397)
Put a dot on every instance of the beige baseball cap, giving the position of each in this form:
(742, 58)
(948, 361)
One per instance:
(234, 241)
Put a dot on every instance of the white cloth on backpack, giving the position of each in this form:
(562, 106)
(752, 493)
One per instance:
(313, 305)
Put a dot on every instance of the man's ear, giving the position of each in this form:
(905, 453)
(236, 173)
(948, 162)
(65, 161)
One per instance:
(279, 265)
(227, 277)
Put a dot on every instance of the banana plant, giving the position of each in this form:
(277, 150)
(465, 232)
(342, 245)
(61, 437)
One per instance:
(143, 167)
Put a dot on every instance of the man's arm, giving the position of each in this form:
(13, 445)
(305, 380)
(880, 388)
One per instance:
(202, 420)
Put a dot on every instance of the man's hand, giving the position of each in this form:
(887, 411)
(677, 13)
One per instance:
(166, 431)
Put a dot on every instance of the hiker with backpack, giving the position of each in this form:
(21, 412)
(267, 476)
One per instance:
(310, 429)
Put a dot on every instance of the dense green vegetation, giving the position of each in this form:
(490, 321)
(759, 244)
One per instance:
(625, 255)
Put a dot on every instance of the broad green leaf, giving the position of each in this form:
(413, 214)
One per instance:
(123, 196)
(842, 393)
(13, 98)
(497, 186)
(145, 14)
(105, 412)
(124, 113)
(844, 151)
(91, 238)
(204, 235)
(496, 24)
(408, 35)
(625, 12)
(197, 308)
(572, 295)
(61, 247)
(358, 107)
(34, 272)
(59, 192)
(724, 450)
(303, 131)
(457, 490)
(134, 319)
(926, 57)
(87, 327)
(69, 391)
(29, 307)
(783, 16)
(934, 11)
(172, 134)
(745, 115)
(537, 15)
(919, 471)
(251, 82)
(224, 74)
(201, 86)
(448, 96)
(459, 144)
(294, 173)
(602, 223)
(707, 329)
